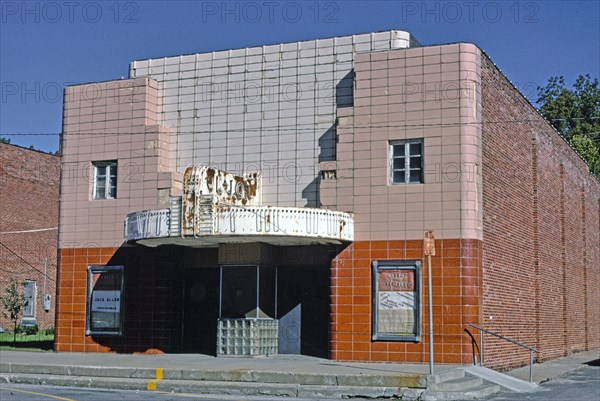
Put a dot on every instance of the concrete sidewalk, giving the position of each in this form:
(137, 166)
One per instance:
(287, 375)
(283, 375)
(199, 362)
(556, 367)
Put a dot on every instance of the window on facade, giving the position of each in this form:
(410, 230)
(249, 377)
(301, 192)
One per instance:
(104, 300)
(406, 162)
(30, 293)
(105, 180)
(396, 300)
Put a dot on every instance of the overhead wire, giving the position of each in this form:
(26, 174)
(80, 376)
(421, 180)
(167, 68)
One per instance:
(26, 262)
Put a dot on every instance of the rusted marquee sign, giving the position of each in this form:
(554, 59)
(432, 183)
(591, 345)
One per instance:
(204, 187)
(228, 188)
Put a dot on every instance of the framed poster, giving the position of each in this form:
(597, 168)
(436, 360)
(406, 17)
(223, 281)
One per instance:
(396, 300)
(105, 300)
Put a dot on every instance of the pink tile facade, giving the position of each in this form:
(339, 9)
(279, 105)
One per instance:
(112, 121)
(429, 93)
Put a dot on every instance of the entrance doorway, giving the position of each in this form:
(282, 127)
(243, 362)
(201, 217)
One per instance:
(200, 310)
(298, 296)
(304, 290)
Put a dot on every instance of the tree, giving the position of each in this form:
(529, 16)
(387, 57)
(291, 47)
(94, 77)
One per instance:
(575, 113)
(584, 145)
(4, 140)
(14, 302)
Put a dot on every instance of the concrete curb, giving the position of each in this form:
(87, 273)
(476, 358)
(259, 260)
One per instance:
(76, 381)
(237, 376)
(215, 387)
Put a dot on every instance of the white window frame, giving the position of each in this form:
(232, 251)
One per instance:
(407, 158)
(31, 302)
(110, 170)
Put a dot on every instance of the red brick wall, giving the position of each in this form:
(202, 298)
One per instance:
(457, 296)
(592, 236)
(152, 300)
(540, 252)
(29, 201)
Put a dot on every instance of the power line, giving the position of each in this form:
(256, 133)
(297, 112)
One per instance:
(302, 127)
(26, 262)
(29, 231)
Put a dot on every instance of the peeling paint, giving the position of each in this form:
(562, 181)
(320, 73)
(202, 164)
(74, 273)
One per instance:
(205, 187)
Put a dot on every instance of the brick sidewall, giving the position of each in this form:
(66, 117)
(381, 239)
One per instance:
(29, 182)
(541, 233)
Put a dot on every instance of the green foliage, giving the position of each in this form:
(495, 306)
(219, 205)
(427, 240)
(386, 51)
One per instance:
(575, 113)
(50, 331)
(4, 140)
(38, 342)
(584, 145)
(13, 303)
(31, 330)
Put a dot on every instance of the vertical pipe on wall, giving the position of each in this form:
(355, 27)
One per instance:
(257, 289)
(276, 281)
(430, 299)
(480, 347)
(220, 290)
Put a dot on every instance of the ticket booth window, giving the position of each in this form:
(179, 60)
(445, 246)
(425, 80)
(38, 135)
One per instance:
(105, 300)
(396, 301)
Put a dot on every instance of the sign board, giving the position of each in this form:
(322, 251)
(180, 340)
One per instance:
(226, 187)
(104, 304)
(106, 301)
(429, 243)
(205, 186)
(396, 302)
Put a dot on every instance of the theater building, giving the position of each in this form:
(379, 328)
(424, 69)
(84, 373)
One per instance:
(274, 200)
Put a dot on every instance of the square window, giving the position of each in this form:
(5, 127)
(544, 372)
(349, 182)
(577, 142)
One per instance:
(105, 180)
(406, 164)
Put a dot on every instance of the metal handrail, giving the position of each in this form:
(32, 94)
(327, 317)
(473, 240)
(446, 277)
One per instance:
(531, 349)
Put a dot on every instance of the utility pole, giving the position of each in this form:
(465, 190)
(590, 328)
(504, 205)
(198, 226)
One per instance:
(429, 247)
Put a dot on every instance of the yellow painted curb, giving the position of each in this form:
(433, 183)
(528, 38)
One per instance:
(159, 376)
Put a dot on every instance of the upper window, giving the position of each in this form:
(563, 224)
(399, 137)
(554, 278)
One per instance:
(105, 180)
(406, 162)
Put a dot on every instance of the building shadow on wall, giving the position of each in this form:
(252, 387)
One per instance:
(152, 300)
(344, 97)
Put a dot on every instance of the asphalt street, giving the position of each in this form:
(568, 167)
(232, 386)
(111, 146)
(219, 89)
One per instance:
(26, 392)
(582, 384)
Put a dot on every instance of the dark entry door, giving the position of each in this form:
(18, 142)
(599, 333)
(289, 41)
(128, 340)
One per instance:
(305, 290)
(201, 310)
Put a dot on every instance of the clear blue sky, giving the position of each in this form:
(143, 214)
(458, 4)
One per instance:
(45, 46)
